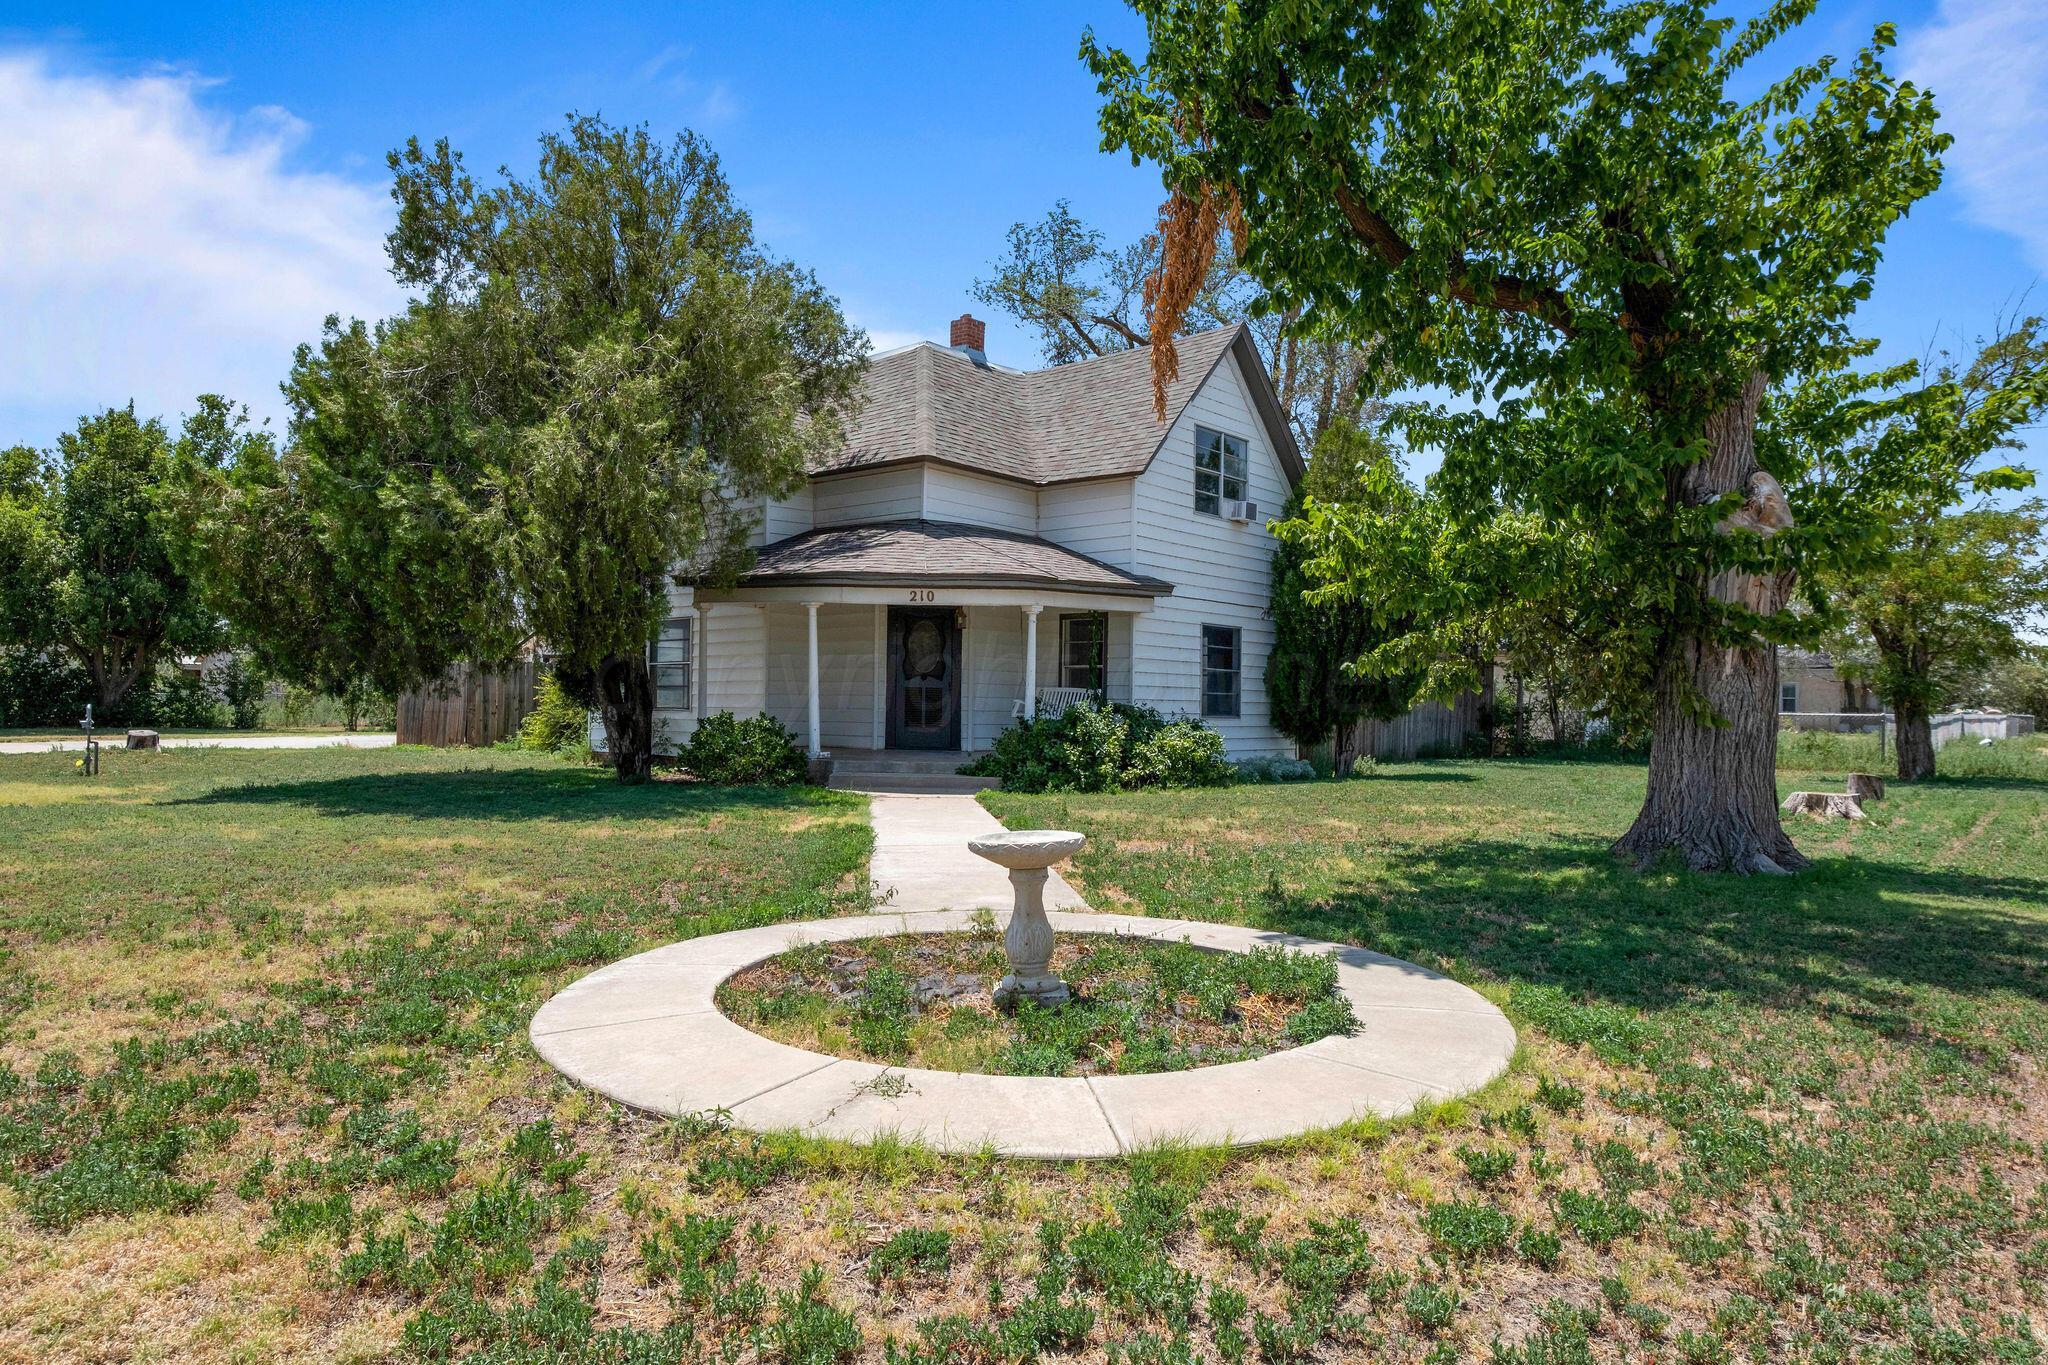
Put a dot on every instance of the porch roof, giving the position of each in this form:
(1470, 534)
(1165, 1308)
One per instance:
(939, 552)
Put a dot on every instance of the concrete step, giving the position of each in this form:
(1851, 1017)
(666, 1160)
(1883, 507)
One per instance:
(916, 784)
(944, 764)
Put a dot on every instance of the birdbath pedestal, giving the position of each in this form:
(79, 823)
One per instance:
(1029, 854)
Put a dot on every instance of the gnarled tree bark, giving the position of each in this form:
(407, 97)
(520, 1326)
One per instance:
(1712, 796)
(1915, 733)
(625, 701)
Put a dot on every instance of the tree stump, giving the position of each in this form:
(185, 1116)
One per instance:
(142, 739)
(1866, 786)
(1826, 805)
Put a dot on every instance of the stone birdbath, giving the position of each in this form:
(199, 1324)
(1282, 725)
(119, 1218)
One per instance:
(1029, 854)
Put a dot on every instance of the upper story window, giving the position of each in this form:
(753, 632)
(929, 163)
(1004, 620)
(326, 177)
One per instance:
(1222, 470)
(1222, 665)
(668, 659)
(1084, 651)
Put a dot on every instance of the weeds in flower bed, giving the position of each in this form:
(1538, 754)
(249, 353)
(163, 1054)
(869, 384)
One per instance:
(1140, 1005)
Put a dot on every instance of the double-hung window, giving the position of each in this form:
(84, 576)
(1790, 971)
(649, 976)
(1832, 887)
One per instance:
(1222, 665)
(1221, 470)
(668, 659)
(1084, 651)
(1788, 697)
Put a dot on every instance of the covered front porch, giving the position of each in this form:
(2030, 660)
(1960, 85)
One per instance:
(919, 637)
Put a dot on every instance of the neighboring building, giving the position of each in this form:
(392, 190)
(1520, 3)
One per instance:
(1808, 682)
(991, 543)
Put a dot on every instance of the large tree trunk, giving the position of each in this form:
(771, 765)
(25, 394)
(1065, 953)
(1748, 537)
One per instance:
(1915, 742)
(625, 701)
(1713, 795)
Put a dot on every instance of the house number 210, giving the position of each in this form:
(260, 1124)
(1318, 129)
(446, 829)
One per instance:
(924, 595)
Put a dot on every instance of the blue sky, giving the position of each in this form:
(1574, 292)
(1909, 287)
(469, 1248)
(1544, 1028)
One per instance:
(185, 190)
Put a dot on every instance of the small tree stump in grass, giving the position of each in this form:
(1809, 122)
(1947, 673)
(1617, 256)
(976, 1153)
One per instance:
(1827, 805)
(142, 739)
(1866, 786)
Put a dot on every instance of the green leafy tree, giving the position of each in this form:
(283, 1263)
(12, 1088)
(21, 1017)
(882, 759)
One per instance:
(1085, 299)
(1948, 605)
(1565, 208)
(85, 555)
(600, 364)
(1316, 691)
(1950, 590)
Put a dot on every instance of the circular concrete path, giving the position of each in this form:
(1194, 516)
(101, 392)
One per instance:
(646, 1032)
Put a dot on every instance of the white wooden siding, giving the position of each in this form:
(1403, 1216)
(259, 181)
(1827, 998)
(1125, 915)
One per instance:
(1090, 518)
(846, 673)
(884, 495)
(786, 517)
(952, 495)
(1220, 569)
(993, 676)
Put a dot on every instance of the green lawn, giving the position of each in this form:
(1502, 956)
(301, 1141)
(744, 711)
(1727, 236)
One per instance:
(268, 1094)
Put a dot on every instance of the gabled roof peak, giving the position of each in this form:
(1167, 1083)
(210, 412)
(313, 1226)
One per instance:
(1085, 420)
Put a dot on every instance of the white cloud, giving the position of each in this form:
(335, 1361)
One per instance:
(155, 248)
(1987, 63)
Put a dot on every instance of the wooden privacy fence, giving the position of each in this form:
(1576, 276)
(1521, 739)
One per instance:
(1429, 728)
(473, 705)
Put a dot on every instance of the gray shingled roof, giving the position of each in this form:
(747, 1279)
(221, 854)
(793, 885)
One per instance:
(1088, 420)
(938, 551)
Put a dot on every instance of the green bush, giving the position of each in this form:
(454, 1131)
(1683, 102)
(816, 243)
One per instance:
(38, 690)
(1365, 765)
(241, 689)
(1275, 768)
(758, 752)
(1186, 753)
(176, 701)
(557, 721)
(1092, 748)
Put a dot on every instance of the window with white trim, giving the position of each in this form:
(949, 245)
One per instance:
(668, 659)
(1084, 650)
(1788, 697)
(1222, 470)
(1222, 665)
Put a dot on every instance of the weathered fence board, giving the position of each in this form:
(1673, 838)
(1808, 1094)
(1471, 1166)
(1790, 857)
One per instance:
(472, 706)
(1429, 728)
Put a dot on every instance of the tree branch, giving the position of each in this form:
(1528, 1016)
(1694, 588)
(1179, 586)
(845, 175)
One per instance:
(1122, 329)
(1504, 293)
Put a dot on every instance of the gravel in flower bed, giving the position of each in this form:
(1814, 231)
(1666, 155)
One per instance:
(1139, 1004)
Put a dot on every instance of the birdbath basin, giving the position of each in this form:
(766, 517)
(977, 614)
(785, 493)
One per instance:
(1029, 854)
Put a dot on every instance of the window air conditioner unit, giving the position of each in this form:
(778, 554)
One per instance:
(1236, 509)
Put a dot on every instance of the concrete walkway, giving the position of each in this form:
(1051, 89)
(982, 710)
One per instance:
(647, 1031)
(921, 860)
(112, 740)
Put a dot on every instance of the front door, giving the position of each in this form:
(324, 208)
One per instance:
(924, 679)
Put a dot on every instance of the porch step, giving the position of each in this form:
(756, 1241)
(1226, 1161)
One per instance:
(871, 761)
(913, 783)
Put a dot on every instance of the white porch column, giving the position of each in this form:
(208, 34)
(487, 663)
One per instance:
(1031, 662)
(811, 612)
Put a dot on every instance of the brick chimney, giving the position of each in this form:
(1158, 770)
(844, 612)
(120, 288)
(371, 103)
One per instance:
(970, 333)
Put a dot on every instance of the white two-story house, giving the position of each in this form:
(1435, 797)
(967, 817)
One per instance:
(991, 543)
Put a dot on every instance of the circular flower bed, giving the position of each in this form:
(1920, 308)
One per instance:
(1140, 1005)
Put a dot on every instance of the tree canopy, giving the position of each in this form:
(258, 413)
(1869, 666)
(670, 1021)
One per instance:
(1085, 299)
(1564, 212)
(600, 366)
(1316, 692)
(85, 554)
(1953, 589)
